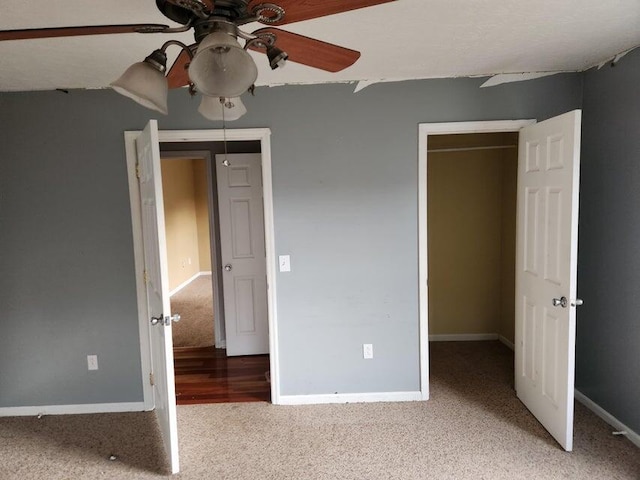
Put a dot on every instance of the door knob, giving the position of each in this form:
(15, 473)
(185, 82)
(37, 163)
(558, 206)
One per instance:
(165, 320)
(560, 302)
(228, 267)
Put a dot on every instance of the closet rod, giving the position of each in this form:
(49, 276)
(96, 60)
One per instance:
(466, 149)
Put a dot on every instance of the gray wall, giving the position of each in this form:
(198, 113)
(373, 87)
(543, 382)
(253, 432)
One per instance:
(608, 336)
(345, 193)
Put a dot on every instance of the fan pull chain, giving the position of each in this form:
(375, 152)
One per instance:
(225, 162)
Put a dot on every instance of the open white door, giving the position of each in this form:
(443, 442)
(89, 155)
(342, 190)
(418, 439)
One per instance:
(157, 288)
(546, 271)
(242, 244)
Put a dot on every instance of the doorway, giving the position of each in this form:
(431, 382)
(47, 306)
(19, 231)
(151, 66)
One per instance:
(425, 132)
(207, 368)
(152, 362)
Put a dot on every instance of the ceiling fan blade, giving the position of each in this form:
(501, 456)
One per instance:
(79, 31)
(178, 75)
(311, 52)
(298, 10)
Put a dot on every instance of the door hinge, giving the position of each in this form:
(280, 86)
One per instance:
(145, 277)
(152, 379)
(137, 170)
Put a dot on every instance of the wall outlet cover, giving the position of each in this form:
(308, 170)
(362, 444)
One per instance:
(92, 362)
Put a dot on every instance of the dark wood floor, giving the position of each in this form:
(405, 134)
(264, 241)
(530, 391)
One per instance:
(207, 375)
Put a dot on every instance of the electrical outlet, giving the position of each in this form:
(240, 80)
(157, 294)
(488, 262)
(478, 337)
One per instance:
(367, 351)
(92, 362)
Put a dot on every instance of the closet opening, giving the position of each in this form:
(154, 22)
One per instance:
(471, 225)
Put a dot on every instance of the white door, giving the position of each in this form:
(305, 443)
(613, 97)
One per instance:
(243, 253)
(546, 269)
(157, 288)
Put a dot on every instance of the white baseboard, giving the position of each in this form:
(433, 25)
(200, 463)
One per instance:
(607, 417)
(72, 409)
(507, 342)
(463, 337)
(221, 344)
(350, 398)
(187, 282)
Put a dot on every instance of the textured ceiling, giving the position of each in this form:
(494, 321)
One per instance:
(406, 39)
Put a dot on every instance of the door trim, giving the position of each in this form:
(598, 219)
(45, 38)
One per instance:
(264, 136)
(424, 130)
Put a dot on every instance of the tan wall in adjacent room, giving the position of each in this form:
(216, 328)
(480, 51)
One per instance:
(180, 220)
(464, 242)
(201, 197)
(471, 235)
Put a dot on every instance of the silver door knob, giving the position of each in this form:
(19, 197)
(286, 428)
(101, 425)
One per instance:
(228, 267)
(560, 302)
(577, 302)
(165, 320)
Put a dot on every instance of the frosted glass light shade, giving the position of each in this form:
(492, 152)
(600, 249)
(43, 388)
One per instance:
(145, 84)
(211, 108)
(221, 67)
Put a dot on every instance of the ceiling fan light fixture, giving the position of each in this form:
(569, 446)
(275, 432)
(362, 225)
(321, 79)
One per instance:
(145, 83)
(277, 58)
(221, 67)
(219, 108)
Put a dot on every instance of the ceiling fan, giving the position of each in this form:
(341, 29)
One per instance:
(216, 65)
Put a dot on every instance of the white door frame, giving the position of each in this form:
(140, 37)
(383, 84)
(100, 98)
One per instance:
(264, 136)
(424, 130)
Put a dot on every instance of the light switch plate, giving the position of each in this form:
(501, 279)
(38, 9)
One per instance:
(367, 351)
(285, 263)
(92, 362)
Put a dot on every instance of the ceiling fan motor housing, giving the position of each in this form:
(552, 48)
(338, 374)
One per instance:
(185, 11)
(214, 24)
(174, 12)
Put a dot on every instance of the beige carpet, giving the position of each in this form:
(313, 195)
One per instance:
(194, 303)
(472, 428)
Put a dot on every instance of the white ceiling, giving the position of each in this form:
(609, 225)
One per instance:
(406, 39)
